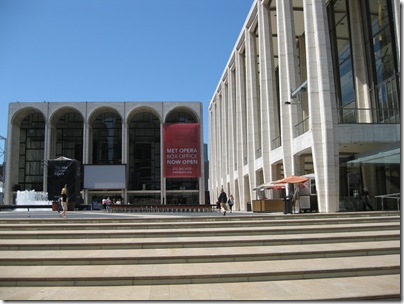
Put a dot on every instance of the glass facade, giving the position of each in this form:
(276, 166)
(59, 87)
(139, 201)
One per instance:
(107, 139)
(375, 170)
(378, 171)
(144, 152)
(381, 68)
(343, 67)
(69, 136)
(31, 156)
(383, 65)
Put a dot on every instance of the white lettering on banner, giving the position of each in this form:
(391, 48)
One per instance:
(172, 150)
(188, 150)
(190, 162)
(173, 162)
(189, 156)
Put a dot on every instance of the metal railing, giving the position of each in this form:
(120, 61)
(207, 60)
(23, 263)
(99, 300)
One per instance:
(385, 100)
(395, 196)
(302, 127)
(258, 153)
(371, 116)
(276, 142)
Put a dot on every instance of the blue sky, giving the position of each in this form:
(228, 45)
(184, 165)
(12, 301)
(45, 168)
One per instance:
(115, 50)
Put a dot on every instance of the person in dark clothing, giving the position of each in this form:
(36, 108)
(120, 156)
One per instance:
(365, 199)
(223, 200)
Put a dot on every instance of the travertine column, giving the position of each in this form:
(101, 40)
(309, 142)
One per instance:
(240, 112)
(321, 103)
(359, 63)
(231, 126)
(287, 78)
(251, 99)
(268, 85)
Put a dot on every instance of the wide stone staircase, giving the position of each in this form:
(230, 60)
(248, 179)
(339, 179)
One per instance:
(342, 256)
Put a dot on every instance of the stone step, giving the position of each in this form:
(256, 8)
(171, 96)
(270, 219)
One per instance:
(215, 222)
(189, 273)
(201, 255)
(114, 242)
(166, 218)
(155, 257)
(381, 288)
(184, 232)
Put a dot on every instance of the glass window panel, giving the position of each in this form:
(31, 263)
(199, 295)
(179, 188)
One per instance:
(31, 152)
(107, 139)
(384, 57)
(340, 35)
(144, 152)
(342, 31)
(347, 84)
(70, 136)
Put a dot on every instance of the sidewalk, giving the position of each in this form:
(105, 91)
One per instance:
(49, 214)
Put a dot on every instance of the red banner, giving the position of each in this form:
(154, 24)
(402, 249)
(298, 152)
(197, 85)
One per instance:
(181, 155)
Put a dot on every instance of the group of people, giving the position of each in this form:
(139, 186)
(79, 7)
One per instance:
(223, 202)
(106, 202)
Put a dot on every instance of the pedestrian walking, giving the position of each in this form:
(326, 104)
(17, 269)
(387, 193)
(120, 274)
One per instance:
(365, 199)
(223, 200)
(64, 202)
(230, 202)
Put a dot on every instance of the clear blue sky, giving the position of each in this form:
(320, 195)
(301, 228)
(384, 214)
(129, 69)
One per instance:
(115, 50)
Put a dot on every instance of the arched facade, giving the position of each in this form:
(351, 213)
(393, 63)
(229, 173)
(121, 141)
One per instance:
(100, 133)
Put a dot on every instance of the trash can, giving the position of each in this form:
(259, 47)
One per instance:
(288, 204)
(248, 206)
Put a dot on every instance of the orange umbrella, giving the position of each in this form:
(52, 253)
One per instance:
(292, 179)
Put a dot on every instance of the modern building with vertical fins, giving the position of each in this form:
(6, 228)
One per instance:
(120, 146)
(311, 88)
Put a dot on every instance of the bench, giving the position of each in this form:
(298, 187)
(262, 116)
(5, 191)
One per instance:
(161, 208)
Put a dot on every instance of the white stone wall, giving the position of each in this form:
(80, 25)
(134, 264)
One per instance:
(278, 25)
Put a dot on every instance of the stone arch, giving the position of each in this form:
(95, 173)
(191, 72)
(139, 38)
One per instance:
(60, 112)
(101, 110)
(182, 114)
(20, 115)
(142, 109)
